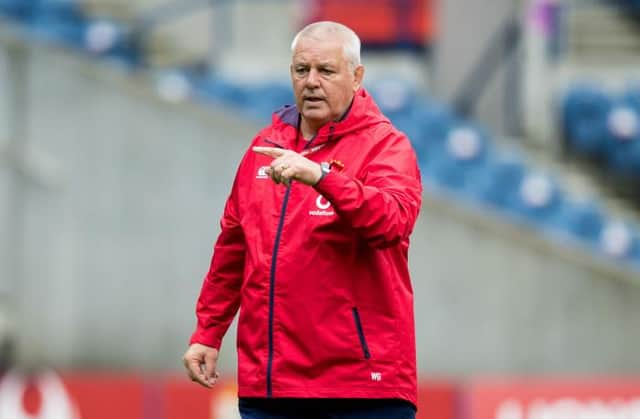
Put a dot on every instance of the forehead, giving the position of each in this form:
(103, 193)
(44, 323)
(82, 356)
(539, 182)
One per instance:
(312, 50)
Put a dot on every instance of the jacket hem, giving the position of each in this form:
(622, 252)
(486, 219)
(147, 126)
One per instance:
(332, 393)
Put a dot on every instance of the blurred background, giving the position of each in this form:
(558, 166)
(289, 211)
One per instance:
(122, 124)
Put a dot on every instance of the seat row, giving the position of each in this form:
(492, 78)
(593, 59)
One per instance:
(64, 22)
(459, 158)
(604, 126)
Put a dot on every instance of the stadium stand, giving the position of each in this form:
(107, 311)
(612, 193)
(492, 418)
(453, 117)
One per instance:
(460, 159)
(64, 22)
(604, 126)
(457, 156)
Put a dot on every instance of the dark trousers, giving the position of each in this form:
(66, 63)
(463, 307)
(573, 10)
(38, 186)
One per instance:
(259, 408)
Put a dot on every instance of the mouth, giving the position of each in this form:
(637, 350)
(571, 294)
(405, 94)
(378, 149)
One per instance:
(313, 99)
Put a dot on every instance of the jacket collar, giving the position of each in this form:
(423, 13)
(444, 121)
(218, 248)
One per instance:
(362, 112)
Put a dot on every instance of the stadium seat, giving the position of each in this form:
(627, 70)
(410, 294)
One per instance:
(623, 139)
(623, 123)
(579, 220)
(267, 98)
(624, 157)
(537, 199)
(431, 124)
(585, 111)
(620, 241)
(212, 88)
(394, 96)
(16, 9)
(497, 181)
(631, 95)
(411, 127)
(58, 20)
(459, 158)
(107, 38)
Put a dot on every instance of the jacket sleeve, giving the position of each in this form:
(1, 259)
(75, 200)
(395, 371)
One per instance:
(219, 297)
(382, 204)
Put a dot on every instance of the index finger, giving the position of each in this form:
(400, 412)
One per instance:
(269, 151)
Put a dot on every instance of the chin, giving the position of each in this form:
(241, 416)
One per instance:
(316, 117)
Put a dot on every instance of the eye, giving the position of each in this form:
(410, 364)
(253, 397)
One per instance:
(326, 71)
(301, 71)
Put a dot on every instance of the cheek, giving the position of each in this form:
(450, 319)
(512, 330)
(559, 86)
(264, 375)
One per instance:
(340, 96)
(297, 93)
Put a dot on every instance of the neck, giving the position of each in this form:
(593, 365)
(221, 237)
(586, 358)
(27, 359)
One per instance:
(307, 131)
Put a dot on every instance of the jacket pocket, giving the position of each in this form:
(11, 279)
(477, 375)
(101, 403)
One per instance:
(363, 340)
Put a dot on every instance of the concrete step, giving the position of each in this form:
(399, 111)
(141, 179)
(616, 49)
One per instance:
(602, 31)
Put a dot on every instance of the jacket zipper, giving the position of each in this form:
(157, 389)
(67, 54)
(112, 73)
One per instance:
(272, 288)
(272, 277)
(363, 341)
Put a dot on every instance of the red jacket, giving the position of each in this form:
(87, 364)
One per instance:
(320, 273)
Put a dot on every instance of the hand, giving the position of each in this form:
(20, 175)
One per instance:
(200, 362)
(288, 165)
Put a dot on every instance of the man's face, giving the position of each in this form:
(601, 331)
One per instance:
(323, 82)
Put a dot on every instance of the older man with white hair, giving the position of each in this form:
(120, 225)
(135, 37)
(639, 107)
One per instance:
(313, 251)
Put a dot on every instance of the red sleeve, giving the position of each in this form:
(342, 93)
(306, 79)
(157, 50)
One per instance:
(382, 207)
(220, 294)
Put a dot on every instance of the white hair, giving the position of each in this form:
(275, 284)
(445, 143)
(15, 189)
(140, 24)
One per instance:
(350, 41)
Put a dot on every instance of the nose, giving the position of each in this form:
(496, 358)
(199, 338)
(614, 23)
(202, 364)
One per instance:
(312, 78)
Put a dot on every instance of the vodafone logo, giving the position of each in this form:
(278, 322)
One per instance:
(322, 203)
(323, 208)
(41, 397)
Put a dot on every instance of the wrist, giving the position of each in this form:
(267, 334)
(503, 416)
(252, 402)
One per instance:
(325, 168)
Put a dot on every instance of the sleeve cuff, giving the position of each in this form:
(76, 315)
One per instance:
(330, 183)
(207, 338)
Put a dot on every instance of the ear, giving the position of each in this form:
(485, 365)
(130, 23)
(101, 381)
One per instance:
(358, 75)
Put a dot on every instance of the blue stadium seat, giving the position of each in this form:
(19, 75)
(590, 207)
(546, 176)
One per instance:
(634, 255)
(411, 127)
(537, 199)
(631, 95)
(267, 98)
(620, 241)
(623, 123)
(497, 181)
(579, 220)
(435, 121)
(428, 125)
(58, 20)
(212, 88)
(622, 146)
(624, 157)
(16, 9)
(459, 158)
(394, 96)
(107, 38)
(585, 111)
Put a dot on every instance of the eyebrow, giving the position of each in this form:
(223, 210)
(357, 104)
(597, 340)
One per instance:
(321, 64)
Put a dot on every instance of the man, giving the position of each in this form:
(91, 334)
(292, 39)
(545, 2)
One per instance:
(313, 250)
